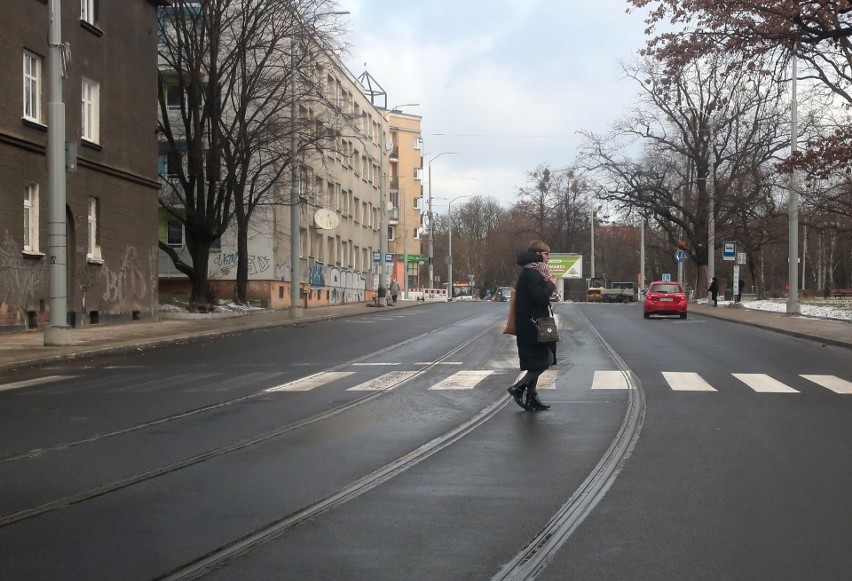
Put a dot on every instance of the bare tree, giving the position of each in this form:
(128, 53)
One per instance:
(817, 31)
(226, 89)
(704, 130)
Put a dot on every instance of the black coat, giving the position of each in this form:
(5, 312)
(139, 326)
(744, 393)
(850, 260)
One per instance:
(532, 300)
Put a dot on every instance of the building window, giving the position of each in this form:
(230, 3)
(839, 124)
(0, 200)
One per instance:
(32, 87)
(89, 11)
(416, 234)
(94, 248)
(417, 203)
(174, 232)
(173, 97)
(31, 218)
(91, 111)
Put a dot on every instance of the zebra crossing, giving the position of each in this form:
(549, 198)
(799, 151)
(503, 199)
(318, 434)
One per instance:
(602, 380)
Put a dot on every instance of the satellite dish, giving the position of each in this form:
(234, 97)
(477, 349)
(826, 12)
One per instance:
(326, 219)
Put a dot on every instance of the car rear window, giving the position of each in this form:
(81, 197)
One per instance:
(665, 288)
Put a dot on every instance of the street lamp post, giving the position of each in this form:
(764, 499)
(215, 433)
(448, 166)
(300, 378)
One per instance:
(450, 246)
(793, 306)
(57, 333)
(431, 221)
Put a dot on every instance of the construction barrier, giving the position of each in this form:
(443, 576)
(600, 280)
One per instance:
(429, 294)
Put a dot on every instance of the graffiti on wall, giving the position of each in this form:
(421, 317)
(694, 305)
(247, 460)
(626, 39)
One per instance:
(282, 272)
(127, 282)
(19, 279)
(227, 261)
(346, 286)
(317, 276)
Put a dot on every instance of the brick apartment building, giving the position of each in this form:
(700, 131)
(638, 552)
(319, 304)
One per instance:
(110, 95)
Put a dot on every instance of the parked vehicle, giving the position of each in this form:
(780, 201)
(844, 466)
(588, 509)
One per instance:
(619, 292)
(594, 287)
(665, 298)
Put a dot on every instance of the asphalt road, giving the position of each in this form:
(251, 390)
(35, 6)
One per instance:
(386, 447)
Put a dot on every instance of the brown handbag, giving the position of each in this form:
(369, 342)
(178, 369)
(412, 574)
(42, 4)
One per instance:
(510, 324)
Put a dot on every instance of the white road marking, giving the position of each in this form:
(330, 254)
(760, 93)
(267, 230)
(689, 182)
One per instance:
(462, 380)
(762, 383)
(310, 382)
(609, 380)
(546, 380)
(831, 382)
(37, 381)
(679, 381)
(373, 364)
(383, 381)
(439, 363)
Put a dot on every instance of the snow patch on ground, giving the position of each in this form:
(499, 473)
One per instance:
(182, 306)
(842, 311)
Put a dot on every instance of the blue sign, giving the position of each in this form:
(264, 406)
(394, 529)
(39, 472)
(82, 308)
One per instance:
(681, 256)
(729, 250)
(388, 258)
(667, 277)
(377, 256)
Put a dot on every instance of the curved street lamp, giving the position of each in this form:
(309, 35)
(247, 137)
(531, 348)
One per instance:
(450, 245)
(431, 221)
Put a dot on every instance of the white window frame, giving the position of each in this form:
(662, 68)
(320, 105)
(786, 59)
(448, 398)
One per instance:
(416, 204)
(91, 110)
(32, 82)
(93, 253)
(31, 219)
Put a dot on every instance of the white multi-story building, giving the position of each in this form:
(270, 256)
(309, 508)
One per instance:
(339, 212)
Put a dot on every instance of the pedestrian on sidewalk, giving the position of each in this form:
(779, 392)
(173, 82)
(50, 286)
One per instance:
(394, 290)
(714, 291)
(534, 290)
(740, 290)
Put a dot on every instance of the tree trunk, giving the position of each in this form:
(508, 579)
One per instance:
(242, 260)
(200, 299)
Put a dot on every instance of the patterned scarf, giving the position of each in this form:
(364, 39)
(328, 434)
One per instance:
(544, 271)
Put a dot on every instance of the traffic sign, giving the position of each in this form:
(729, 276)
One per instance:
(377, 256)
(667, 277)
(681, 256)
(729, 250)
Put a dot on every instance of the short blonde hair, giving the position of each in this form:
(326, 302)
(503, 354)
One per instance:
(538, 246)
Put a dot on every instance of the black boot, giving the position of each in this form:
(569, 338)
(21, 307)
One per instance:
(517, 392)
(535, 404)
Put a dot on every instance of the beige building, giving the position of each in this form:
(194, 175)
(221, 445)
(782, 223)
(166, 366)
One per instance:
(405, 189)
(339, 213)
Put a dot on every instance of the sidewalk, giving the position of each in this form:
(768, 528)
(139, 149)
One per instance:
(27, 349)
(21, 350)
(828, 331)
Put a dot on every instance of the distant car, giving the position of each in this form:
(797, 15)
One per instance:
(665, 298)
(504, 294)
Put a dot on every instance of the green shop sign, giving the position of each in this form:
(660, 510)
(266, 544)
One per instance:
(566, 265)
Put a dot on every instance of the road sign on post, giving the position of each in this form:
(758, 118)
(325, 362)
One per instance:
(729, 250)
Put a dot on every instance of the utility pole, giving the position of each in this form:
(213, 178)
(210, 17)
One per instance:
(57, 333)
(793, 306)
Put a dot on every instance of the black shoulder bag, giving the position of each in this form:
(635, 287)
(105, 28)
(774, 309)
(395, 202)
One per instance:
(545, 327)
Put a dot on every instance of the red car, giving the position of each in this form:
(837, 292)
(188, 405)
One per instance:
(665, 298)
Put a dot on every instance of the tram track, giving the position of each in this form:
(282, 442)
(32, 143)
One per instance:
(218, 452)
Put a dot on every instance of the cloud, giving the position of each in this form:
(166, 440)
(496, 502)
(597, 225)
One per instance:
(507, 84)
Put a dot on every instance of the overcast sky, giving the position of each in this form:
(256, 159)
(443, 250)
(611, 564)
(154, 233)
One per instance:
(505, 83)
